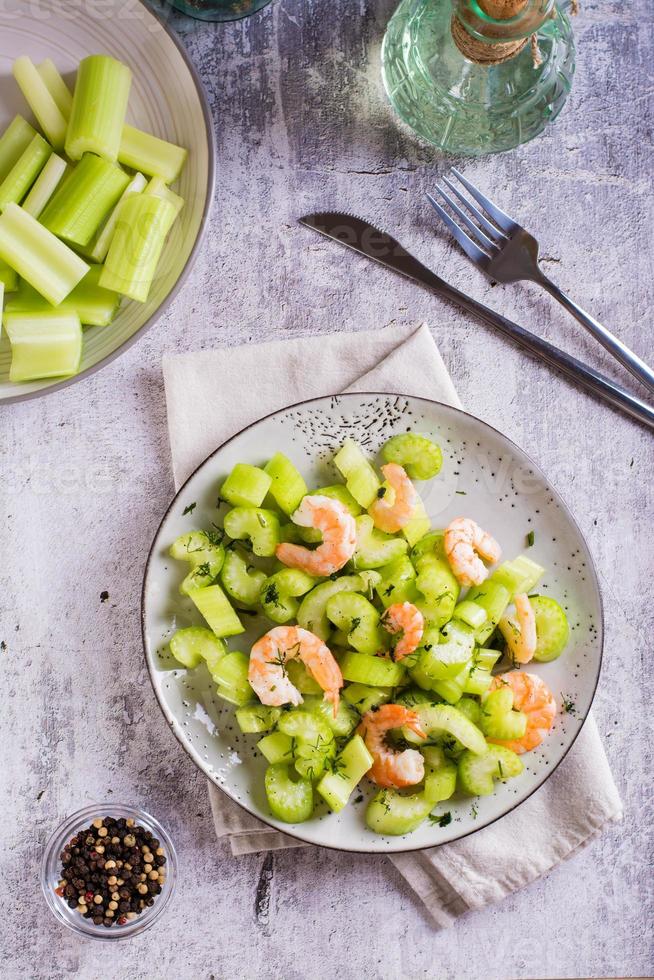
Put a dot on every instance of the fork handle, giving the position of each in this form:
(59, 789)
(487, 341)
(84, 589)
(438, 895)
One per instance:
(620, 351)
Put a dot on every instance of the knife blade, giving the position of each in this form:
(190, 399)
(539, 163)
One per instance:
(364, 238)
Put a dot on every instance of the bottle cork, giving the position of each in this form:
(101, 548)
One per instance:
(503, 9)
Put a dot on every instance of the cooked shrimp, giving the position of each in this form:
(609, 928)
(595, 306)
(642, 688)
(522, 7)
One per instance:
(392, 517)
(464, 541)
(338, 537)
(533, 696)
(392, 767)
(267, 670)
(403, 619)
(520, 633)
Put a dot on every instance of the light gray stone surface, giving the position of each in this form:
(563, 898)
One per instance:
(302, 124)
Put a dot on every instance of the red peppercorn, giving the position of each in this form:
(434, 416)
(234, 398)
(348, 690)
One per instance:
(122, 920)
(89, 896)
(59, 891)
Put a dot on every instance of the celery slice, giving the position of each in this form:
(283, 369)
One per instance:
(24, 172)
(290, 798)
(40, 101)
(391, 813)
(8, 277)
(158, 188)
(216, 608)
(45, 345)
(246, 486)
(350, 766)
(97, 114)
(85, 199)
(13, 143)
(56, 86)
(45, 185)
(38, 256)
(151, 155)
(94, 305)
(98, 248)
(362, 668)
(257, 718)
(141, 229)
(287, 487)
(276, 747)
(2, 301)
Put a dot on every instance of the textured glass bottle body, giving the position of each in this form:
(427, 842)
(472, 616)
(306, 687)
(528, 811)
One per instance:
(464, 107)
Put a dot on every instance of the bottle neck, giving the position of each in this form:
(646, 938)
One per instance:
(502, 21)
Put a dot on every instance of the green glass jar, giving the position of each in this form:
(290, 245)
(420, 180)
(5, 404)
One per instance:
(473, 83)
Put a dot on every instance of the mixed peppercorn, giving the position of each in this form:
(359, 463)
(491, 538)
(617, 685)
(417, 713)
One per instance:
(112, 871)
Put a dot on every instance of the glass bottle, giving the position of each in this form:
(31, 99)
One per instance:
(478, 76)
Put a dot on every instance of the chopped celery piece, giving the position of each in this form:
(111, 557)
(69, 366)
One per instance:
(437, 720)
(56, 86)
(411, 696)
(246, 486)
(276, 747)
(552, 630)
(38, 256)
(214, 605)
(98, 248)
(342, 723)
(521, 574)
(43, 345)
(241, 582)
(151, 155)
(397, 582)
(256, 524)
(375, 548)
(391, 813)
(314, 741)
(231, 675)
(14, 141)
(24, 172)
(290, 798)
(301, 679)
(363, 697)
(498, 719)
(440, 775)
(471, 613)
(158, 188)
(352, 613)
(350, 766)
(360, 477)
(439, 586)
(8, 277)
(254, 719)
(94, 306)
(198, 547)
(431, 544)
(280, 591)
(194, 644)
(84, 200)
(40, 101)
(97, 115)
(338, 491)
(312, 612)
(45, 185)
(420, 457)
(141, 229)
(418, 526)
(443, 656)
(371, 671)
(287, 486)
(494, 597)
(477, 772)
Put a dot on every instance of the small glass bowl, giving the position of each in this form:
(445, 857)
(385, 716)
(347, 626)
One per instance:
(51, 872)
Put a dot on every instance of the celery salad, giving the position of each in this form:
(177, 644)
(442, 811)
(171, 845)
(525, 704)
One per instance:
(394, 651)
(85, 210)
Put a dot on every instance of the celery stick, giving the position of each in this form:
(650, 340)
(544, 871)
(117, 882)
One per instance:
(97, 249)
(143, 223)
(151, 155)
(2, 301)
(8, 277)
(40, 101)
(99, 105)
(158, 188)
(84, 200)
(94, 305)
(45, 185)
(56, 86)
(45, 345)
(24, 172)
(13, 143)
(38, 256)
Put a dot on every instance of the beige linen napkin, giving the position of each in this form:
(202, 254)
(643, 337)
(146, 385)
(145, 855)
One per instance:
(213, 394)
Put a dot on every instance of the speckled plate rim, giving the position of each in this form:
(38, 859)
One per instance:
(211, 188)
(291, 830)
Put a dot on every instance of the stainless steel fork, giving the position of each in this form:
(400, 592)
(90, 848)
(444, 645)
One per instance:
(506, 252)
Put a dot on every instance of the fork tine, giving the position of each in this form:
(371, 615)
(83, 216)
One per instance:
(472, 250)
(493, 231)
(506, 223)
(470, 225)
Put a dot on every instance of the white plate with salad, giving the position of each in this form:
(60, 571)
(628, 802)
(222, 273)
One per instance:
(371, 621)
(106, 180)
